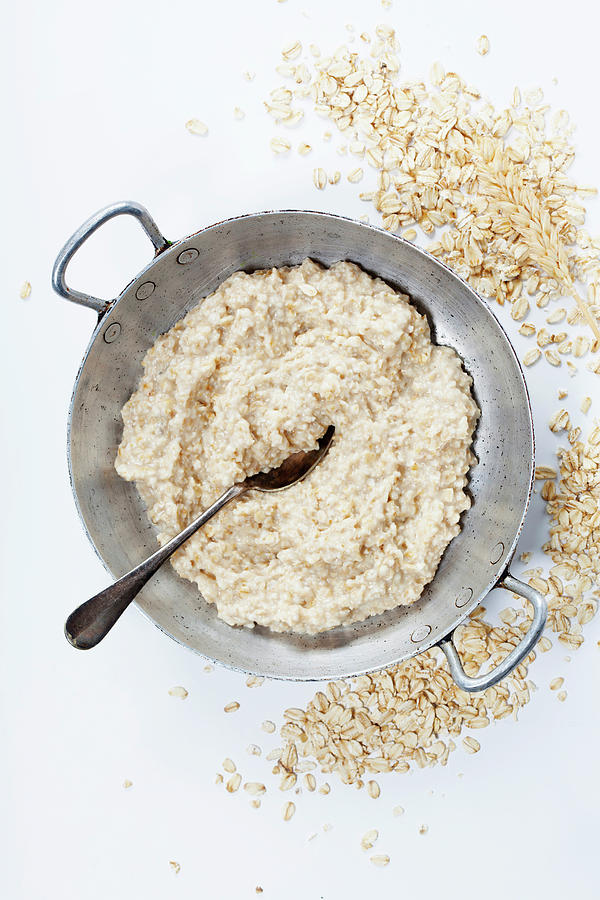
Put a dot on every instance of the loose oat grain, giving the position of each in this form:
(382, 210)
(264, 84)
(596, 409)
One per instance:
(483, 45)
(373, 789)
(233, 783)
(179, 692)
(369, 839)
(319, 178)
(471, 745)
(195, 126)
(289, 809)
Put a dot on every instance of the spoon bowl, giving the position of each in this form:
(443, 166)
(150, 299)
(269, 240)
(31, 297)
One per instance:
(293, 469)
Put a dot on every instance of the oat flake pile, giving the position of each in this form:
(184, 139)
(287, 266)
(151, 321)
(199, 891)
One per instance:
(493, 186)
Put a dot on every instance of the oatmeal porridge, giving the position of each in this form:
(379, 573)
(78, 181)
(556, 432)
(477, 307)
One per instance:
(259, 370)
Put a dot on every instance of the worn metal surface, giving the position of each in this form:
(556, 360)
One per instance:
(113, 514)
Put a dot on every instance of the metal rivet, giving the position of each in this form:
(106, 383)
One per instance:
(187, 256)
(497, 553)
(112, 332)
(464, 597)
(420, 633)
(144, 290)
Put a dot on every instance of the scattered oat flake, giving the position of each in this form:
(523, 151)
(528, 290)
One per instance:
(369, 839)
(562, 394)
(304, 148)
(179, 692)
(560, 421)
(231, 707)
(534, 96)
(238, 113)
(249, 76)
(373, 789)
(175, 866)
(268, 726)
(380, 859)
(483, 45)
(531, 356)
(209, 668)
(195, 126)
(253, 750)
(585, 404)
(127, 783)
(288, 781)
(556, 316)
(254, 788)
(25, 291)
(233, 783)
(327, 826)
(254, 681)
(258, 889)
(280, 145)
(355, 176)
(544, 472)
(398, 810)
(324, 789)
(289, 809)
(471, 744)
(319, 178)
(229, 765)
(556, 683)
(527, 329)
(310, 782)
(562, 696)
(423, 829)
(292, 50)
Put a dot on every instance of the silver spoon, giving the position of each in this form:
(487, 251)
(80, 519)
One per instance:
(93, 619)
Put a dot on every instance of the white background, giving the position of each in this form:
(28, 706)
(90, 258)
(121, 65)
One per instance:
(98, 95)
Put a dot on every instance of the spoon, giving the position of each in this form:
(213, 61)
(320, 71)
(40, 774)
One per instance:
(92, 621)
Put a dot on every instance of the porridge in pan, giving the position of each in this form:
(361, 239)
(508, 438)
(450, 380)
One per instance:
(259, 370)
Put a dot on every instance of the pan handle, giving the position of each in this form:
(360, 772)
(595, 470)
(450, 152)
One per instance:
(124, 207)
(481, 682)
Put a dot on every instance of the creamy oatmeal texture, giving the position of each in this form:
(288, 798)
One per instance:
(257, 371)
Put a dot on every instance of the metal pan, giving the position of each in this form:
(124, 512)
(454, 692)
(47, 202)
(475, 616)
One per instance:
(179, 276)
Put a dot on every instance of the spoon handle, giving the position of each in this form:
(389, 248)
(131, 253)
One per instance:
(92, 621)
